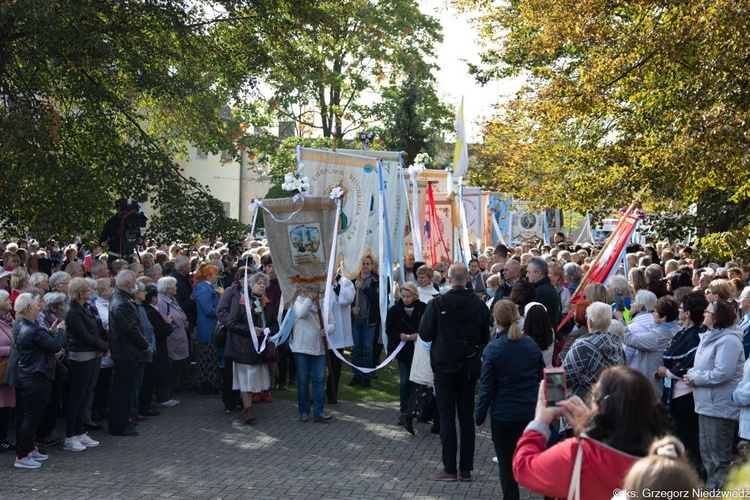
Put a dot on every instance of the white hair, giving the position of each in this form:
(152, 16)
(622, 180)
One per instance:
(23, 302)
(600, 315)
(124, 278)
(646, 299)
(165, 283)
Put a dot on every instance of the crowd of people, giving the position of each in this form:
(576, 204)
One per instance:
(657, 352)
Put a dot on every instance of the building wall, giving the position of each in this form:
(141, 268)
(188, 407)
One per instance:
(233, 184)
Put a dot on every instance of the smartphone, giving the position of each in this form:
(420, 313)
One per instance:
(554, 381)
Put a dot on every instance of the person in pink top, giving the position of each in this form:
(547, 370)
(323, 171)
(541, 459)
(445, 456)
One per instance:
(623, 420)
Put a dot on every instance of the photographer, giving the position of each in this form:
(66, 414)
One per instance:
(122, 231)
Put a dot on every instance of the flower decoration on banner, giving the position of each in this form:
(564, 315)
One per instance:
(421, 161)
(336, 193)
(366, 136)
(637, 212)
(296, 184)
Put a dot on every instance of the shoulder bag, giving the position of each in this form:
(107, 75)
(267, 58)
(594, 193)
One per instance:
(574, 491)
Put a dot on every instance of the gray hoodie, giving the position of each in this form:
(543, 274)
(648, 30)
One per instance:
(716, 372)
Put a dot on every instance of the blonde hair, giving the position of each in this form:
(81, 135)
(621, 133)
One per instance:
(426, 270)
(664, 469)
(596, 292)
(506, 316)
(77, 287)
(411, 288)
(725, 289)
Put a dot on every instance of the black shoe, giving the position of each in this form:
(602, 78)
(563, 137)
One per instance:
(435, 428)
(304, 417)
(323, 418)
(126, 432)
(7, 446)
(93, 427)
(355, 382)
(333, 401)
(409, 427)
(366, 383)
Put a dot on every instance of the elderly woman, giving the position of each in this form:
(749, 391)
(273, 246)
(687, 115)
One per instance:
(148, 358)
(637, 280)
(58, 282)
(40, 281)
(37, 350)
(84, 345)
(177, 343)
(593, 352)
(19, 281)
(678, 359)
(425, 286)
(402, 325)
(156, 373)
(652, 344)
(716, 372)
(206, 300)
(308, 346)
(250, 372)
(720, 289)
(573, 276)
(641, 312)
(7, 392)
(512, 367)
(556, 277)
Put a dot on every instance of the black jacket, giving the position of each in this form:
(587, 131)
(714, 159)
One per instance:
(162, 330)
(398, 322)
(83, 330)
(125, 330)
(371, 293)
(457, 323)
(36, 348)
(185, 297)
(548, 297)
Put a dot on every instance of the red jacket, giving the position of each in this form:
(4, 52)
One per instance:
(548, 472)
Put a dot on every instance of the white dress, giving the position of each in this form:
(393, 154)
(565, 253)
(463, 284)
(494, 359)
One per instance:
(250, 378)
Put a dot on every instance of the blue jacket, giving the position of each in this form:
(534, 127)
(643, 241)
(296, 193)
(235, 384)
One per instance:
(511, 371)
(206, 300)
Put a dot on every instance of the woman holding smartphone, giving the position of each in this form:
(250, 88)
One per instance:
(512, 366)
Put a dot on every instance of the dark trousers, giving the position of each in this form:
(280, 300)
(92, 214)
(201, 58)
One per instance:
(35, 390)
(332, 385)
(182, 376)
(5, 414)
(505, 436)
(147, 388)
(404, 387)
(229, 397)
(100, 407)
(52, 411)
(122, 394)
(687, 429)
(80, 374)
(286, 366)
(456, 395)
(163, 377)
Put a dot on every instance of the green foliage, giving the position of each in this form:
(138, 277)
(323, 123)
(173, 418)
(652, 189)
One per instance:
(96, 99)
(620, 97)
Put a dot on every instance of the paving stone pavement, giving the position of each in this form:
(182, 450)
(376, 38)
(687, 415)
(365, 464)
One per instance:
(196, 451)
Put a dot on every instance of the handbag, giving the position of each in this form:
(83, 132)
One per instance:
(270, 353)
(574, 491)
(219, 336)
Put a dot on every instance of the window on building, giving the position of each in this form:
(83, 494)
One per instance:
(227, 208)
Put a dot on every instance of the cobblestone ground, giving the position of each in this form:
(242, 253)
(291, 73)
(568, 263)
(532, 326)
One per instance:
(196, 451)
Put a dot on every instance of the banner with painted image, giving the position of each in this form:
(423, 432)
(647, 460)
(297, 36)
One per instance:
(528, 226)
(499, 206)
(474, 213)
(300, 245)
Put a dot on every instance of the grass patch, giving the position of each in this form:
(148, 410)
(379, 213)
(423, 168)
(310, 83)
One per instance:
(384, 389)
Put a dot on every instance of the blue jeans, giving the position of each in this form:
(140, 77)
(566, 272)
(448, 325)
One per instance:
(314, 367)
(363, 336)
(404, 388)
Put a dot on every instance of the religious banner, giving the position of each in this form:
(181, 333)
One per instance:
(299, 242)
(499, 206)
(357, 176)
(474, 213)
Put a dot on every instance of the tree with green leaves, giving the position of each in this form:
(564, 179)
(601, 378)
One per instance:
(96, 101)
(620, 97)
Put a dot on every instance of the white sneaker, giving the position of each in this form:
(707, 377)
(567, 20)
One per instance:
(86, 441)
(72, 444)
(38, 455)
(169, 404)
(27, 463)
(494, 459)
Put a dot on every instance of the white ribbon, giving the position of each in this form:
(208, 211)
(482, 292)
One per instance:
(258, 204)
(250, 324)
(416, 229)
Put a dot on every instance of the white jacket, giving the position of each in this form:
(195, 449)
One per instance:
(306, 337)
(341, 305)
(641, 324)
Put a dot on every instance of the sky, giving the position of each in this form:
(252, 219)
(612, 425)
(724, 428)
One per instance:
(453, 79)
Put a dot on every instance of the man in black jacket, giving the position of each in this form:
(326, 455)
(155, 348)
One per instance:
(537, 273)
(458, 325)
(128, 345)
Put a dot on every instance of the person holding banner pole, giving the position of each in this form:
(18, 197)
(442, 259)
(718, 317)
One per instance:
(365, 317)
(309, 348)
